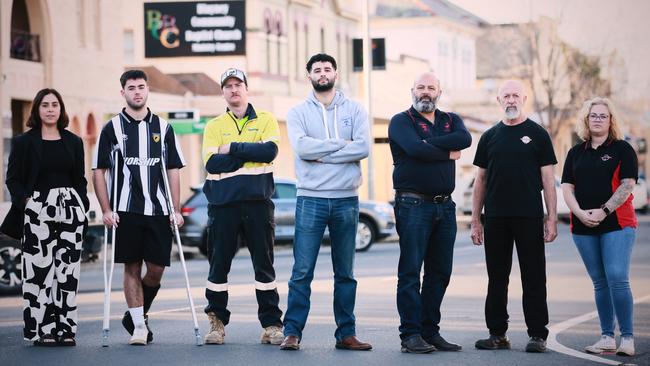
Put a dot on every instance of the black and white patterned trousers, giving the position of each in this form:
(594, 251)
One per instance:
(52, 241)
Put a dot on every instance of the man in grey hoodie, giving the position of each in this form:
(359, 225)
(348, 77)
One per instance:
(329, 136)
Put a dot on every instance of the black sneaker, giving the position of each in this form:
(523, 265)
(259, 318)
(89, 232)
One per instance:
(127, 323)
(536, 345)
(494, 342)
(417, 345)
(441, 344)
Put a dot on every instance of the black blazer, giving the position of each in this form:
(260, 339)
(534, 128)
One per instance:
(25, 161)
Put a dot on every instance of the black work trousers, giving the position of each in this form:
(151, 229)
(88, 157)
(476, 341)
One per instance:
(528, 236)
(253, 222)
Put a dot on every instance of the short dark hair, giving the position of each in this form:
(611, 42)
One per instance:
(321, 57)
(132, 75)
(34, 120)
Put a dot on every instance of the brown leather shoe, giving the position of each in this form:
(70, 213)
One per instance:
(352, 343)
(290, 343)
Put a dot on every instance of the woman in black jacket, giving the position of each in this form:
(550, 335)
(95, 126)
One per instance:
(46, 180)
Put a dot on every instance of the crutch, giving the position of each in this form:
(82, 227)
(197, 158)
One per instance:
(108, 278)
(170, 206)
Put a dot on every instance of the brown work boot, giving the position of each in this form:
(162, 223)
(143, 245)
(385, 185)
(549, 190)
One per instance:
(272, 335)
(290, 343)
(217, 331)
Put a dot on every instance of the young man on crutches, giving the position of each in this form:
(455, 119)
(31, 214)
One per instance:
(142, 220)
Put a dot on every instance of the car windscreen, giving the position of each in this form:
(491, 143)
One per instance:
(284, 190)
(198, 199)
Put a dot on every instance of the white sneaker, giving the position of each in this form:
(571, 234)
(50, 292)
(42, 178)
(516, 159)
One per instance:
(272, 335)
(605, 344)
(139, 337)
(627, 347)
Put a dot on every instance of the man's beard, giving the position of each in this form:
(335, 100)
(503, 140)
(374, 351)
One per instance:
(322, 87)
(512, 112)
(424, 106)
(136, 107)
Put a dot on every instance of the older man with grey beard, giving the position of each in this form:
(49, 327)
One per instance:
(515, 161)
(425, 142)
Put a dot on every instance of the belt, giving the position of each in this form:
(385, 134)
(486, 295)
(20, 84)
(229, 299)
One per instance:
(439, 198)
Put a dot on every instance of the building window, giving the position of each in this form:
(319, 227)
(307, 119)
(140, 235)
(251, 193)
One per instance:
(129, 56)
(454, 49)
(278, 30)
(338, 45)
(466, 56)
(306, 42)
(348, 56)
(81, 22)
(268, 26)
(322, 40)
(297, 49)
(23, 44)
(442, 49)
(97, 20)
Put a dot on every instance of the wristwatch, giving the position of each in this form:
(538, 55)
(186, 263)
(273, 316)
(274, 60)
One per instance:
(604, 208)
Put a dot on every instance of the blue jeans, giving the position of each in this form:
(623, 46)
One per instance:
(313, 214)
(607, 258)
(427, 232)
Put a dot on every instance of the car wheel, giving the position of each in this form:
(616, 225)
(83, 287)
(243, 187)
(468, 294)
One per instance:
(10, 265)
(365, 235)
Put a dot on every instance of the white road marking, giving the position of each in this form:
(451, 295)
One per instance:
(556, 329)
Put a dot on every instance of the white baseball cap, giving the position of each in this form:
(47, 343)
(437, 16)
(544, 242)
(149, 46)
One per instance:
(233, 73)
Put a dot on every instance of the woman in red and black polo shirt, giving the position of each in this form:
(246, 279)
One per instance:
(598, 178)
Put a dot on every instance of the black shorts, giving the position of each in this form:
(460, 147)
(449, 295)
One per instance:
(139, 237)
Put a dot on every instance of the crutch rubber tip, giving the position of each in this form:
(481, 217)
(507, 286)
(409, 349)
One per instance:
(105, 338)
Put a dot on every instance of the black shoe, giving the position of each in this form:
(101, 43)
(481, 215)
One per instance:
(417, 345)
(441, 344)
(536, 345)
(494, 342)
(127, 323)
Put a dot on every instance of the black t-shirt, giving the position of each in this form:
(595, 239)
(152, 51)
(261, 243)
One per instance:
(56, 167)
(513, 157)
(595, 175)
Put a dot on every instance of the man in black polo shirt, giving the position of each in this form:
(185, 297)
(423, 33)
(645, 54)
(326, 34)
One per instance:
(515, 161)
(424, 142)
(142, 219)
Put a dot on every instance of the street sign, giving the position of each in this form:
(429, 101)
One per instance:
(206, 28)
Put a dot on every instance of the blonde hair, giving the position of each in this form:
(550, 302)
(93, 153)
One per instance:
(582, 125)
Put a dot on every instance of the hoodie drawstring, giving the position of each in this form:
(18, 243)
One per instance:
(327, 129)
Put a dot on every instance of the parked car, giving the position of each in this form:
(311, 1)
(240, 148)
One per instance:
(640, 193)
(563, 212)
(11, 252)
(639, 201)
(376, 219)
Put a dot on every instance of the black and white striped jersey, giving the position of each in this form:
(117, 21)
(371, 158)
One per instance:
(140, 144)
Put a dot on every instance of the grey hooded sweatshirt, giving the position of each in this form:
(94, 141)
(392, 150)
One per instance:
(328, 144)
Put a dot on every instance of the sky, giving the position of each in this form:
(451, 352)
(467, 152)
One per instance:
(594, 26)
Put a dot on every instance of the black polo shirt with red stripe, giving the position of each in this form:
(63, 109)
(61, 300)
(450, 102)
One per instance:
(596, 174)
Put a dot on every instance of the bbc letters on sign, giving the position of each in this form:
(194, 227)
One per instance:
(206, 28)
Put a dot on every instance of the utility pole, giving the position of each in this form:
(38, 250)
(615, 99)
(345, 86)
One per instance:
(367, 68)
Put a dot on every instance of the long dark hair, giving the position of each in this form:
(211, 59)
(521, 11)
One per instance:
(34, 120)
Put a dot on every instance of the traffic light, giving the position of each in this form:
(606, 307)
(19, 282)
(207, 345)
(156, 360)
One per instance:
(378, 47)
